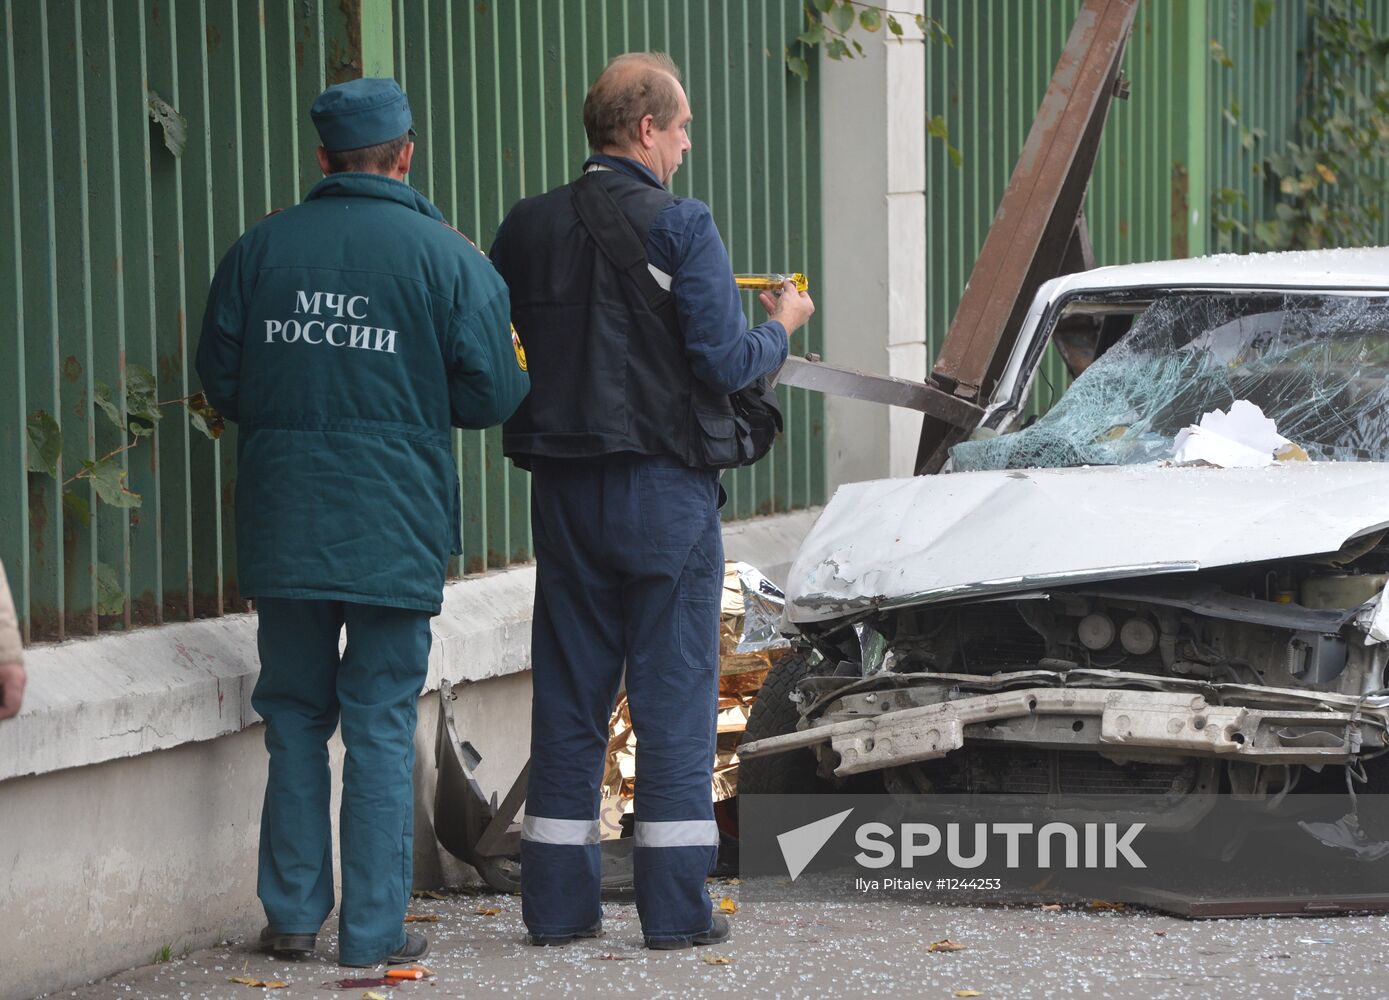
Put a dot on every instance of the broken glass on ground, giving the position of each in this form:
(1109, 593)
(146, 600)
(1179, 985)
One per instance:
(1318, 365)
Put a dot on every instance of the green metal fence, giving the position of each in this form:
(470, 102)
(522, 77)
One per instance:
(505, 92)
(1166, 151)
(107, 251)
(111, 239)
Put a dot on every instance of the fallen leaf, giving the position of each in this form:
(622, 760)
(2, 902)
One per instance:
(421, 918)
(727, 905)
(717, 960)
(610, 957)
(945, 944)
(371, 995)
(1160, 933)
(488, 911)
(968, 993)
(732, 881)
(428, 894)
(1051, 907)
(1104, 904)
(358, 983)
(265, 984)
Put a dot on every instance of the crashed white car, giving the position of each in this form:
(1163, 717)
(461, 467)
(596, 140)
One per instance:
(1104, 601)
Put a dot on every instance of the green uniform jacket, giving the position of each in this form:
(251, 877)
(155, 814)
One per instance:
(344, 336)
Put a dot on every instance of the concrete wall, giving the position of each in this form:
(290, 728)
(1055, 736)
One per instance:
(874, 162)
(130, 785)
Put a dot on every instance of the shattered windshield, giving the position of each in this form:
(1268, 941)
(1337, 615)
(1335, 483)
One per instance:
(1318, 365)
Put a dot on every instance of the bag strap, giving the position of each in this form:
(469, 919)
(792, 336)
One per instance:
(614, 236)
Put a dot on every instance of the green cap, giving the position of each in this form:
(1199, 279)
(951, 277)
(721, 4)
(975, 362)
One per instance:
(365, 112)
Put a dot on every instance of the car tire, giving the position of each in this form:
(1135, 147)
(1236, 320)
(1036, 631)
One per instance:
(774, 714)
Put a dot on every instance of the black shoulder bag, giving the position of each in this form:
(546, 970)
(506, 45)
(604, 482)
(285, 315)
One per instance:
(726, 432)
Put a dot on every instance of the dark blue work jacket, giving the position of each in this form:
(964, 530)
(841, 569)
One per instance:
(608, 376)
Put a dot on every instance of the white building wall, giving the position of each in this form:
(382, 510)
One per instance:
(873, 149)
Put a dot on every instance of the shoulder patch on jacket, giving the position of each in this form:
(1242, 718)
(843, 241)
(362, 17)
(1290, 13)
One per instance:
(520, 351)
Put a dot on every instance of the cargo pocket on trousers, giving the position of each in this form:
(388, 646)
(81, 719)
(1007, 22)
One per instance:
(697, 609)
(697, 627)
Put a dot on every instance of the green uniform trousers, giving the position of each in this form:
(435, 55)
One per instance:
(305, 688)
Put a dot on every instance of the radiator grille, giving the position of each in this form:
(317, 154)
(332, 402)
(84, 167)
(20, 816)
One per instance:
(993, 636)
(1036, 772)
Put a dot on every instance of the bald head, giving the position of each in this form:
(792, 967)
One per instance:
(631, 87)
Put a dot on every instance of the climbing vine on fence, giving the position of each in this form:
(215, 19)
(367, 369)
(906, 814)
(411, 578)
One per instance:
(1328, 178)
(832, 24)
(135, 417)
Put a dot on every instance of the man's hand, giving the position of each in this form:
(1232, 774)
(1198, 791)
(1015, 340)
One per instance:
(789, 307)
(11, 689)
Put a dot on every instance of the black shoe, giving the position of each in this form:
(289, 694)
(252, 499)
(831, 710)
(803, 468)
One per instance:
(416, 947)
(554, 940)
(718, 933)
(288, 945)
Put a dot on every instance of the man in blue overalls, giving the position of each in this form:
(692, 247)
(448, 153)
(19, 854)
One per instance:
(344, 336)
(633, 349)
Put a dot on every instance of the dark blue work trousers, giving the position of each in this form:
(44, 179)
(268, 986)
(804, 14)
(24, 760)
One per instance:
(629, 571)
(305, 689)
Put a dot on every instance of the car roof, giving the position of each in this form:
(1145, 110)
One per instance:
(1358, 267)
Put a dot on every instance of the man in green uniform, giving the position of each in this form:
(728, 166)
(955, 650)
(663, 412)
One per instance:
(344, 336)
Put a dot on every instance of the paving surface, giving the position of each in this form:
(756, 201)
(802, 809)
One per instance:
(867, 948)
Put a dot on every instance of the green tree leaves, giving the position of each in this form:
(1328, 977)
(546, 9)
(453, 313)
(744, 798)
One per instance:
(1329, 180)
(108, 479)
(842, 14)
(45, 443)
(828, 24)
(141, 411)
(135, 416)
(110, 595)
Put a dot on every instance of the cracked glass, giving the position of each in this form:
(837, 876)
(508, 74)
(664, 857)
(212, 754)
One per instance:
(1317, 364)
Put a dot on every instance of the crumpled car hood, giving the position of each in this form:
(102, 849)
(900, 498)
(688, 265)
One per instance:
(894, 542)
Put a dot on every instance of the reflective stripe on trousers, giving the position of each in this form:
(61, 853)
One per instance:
(681, 833)
(543, 830)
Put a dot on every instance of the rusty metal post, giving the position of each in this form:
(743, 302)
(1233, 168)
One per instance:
(1038, 219)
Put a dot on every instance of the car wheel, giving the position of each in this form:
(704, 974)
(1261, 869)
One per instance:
(775, 714)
